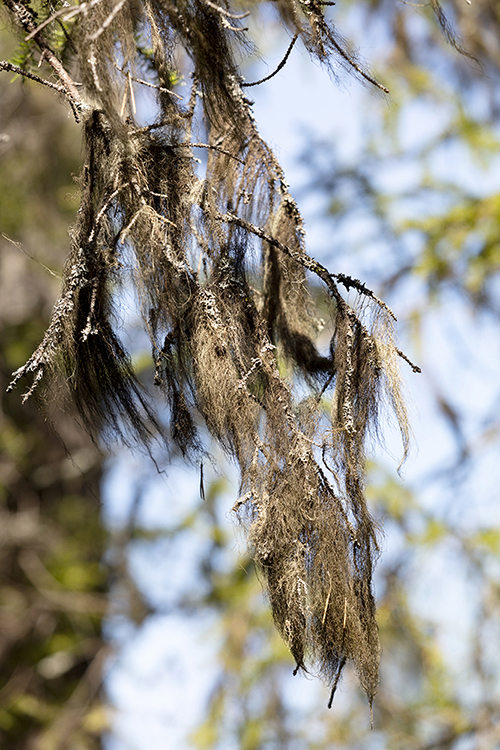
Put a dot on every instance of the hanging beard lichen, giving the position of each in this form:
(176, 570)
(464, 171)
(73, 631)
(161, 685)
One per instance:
(221, 273)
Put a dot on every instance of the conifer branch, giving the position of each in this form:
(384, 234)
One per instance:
(25, 18)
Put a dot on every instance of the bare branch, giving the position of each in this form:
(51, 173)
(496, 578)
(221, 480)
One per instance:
(212, 148)
(162, 89)
(226, 13)
(401, 354)
(358, 68)
(280, 66)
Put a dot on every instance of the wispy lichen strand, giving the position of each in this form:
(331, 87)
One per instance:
(223, 280)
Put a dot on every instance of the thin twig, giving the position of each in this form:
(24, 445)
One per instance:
(322, 391)
(68, 15)
(358, 68)
(131, 91)
(4, 65)
(226, 13)
(125, 230)
(213, 148)
(30, 255)
(151, 85)
(351, 283)
(312, 265)
(401, 354)
(148, 128)
(124, 98)
(336, 682)
(93, 67)
(187, 144)
(324, 28)
(103, 210)
(280, 66)
(228, 26)
(119, 5)
(128, 94)
(327, 601)
(305, 260)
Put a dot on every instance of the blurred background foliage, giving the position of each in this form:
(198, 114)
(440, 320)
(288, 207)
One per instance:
(413, 211)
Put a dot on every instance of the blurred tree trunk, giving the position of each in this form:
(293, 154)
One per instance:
(52, 582)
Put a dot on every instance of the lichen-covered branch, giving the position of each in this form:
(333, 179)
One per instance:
(218, 260)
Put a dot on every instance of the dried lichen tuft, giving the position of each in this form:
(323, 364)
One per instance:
(221, 274)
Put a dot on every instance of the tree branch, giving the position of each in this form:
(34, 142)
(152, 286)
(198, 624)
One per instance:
(25, 18)
(305, 260)
(312, 265)
(280, 66)
(4, 65)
